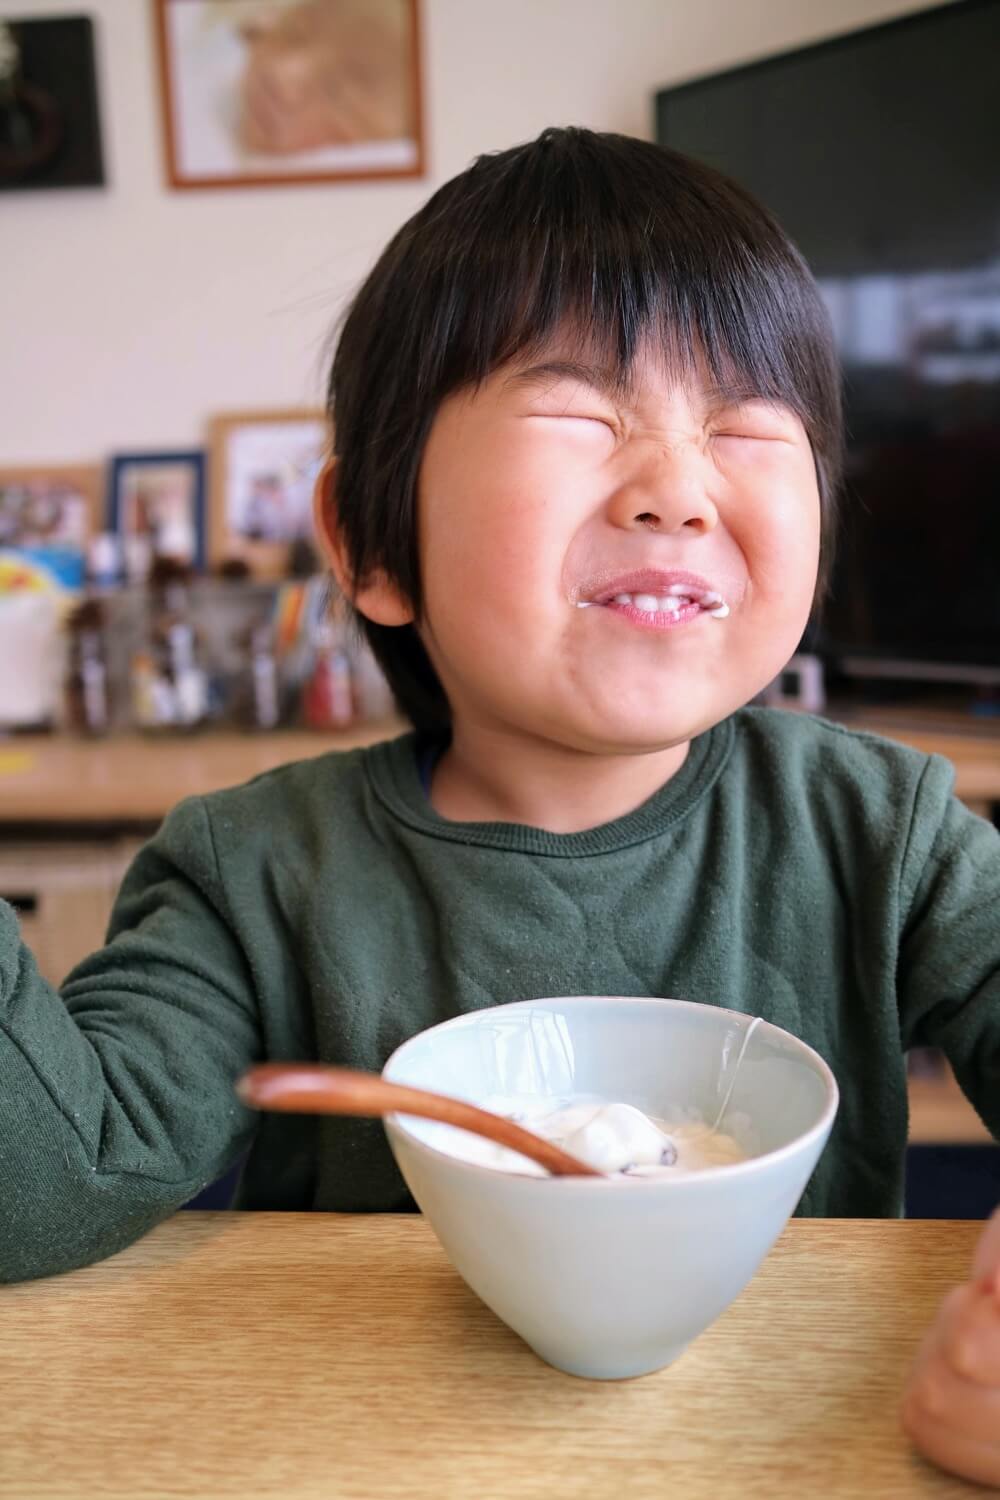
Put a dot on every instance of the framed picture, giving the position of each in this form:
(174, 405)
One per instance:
(50, 134)
(264, 470)
(288, 91)
(49, 506)
(157, 505)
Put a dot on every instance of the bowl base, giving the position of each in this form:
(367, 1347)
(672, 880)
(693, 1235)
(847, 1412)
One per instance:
(610, 1369)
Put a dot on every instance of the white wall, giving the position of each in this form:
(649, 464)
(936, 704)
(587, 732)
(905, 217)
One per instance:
(129, 314)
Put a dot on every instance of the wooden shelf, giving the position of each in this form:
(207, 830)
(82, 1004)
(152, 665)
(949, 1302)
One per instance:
(941, 1115)
(131, 778)
(972, 746)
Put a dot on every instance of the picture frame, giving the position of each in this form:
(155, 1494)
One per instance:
(49, 505)
(264, 466)
(156, 503)
(50, 129)
(283, 92)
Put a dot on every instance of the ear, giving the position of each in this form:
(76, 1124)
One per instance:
(376, 597)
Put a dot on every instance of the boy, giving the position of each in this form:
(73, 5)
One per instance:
(587, 445)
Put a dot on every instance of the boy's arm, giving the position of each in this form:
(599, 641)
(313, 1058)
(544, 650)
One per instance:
(116, 1098)
(949, 957)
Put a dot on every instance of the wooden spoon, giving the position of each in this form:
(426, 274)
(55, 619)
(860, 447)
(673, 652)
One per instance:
(315, 1089)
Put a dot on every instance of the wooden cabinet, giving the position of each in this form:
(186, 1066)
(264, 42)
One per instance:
(63, 893)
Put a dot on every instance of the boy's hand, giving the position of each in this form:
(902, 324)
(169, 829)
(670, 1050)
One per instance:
(951, 1408)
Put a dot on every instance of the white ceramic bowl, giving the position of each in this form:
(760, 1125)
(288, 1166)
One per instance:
(613, 1277)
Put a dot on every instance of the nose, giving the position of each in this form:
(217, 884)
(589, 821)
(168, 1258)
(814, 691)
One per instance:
(666, 492)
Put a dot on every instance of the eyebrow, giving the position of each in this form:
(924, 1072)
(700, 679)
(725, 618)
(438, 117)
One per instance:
(609, 383)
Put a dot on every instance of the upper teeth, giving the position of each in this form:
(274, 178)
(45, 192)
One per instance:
(674, 600)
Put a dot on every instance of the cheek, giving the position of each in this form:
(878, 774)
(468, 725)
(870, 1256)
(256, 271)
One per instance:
(777, 527)
(499, 528)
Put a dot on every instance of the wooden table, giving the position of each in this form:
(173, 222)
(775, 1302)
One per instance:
(301, 1355)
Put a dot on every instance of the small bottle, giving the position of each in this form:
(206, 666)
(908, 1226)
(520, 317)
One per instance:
(170, 684)
(258, 699)
(104, 565)
(147, 701)
(87, 699)
(328, 694)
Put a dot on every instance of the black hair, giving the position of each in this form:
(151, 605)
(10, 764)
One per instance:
(615, 239)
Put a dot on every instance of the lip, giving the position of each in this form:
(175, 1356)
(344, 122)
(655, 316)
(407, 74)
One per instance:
(602, 589)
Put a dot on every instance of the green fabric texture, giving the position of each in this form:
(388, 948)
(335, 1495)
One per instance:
(826, 880)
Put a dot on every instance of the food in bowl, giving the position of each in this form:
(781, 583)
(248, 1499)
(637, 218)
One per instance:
(606, 1134)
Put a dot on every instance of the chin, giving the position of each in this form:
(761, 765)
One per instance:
(652, 727)
(616, 736)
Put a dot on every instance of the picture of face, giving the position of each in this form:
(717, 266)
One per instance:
(280, 90)
(264, 467)
(40, 509)
(271, 471)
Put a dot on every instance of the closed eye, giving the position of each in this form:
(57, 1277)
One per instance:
(573, 416)
(588, 418)
(754, 422)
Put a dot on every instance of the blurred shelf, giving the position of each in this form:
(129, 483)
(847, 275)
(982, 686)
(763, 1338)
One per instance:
(972, 745)
(136, 779)
(941, 1115)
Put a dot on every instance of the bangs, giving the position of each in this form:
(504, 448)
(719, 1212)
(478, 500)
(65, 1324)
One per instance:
(581, 251)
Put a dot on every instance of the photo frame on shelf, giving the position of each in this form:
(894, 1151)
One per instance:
(275, 92)
(156, 505)
(49, 505)
(264, 467)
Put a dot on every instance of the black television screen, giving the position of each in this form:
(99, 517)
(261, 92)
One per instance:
(879, 152)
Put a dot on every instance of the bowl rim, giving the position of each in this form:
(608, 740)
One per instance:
(694, 1181)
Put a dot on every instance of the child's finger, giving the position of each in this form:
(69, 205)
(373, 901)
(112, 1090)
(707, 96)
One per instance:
(987, 1260)
(966, 1338)
(971, 1411)
(938, 1441)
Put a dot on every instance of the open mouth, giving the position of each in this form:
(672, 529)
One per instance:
(658, 600)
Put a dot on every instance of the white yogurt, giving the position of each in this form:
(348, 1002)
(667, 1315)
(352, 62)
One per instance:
(614, 1138)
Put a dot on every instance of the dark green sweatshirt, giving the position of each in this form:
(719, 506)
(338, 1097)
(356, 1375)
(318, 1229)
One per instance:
(825, 880)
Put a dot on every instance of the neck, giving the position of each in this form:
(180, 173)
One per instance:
(489, 775)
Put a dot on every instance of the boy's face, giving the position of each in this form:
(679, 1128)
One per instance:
(544, 491)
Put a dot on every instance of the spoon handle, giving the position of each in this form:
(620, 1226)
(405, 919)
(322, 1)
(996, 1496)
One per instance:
(316, 1089)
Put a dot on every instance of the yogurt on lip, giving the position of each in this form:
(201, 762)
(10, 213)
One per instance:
(613, 1137)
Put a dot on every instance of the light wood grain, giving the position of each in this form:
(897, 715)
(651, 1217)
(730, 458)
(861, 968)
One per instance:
(940, 1113)
(975, 756)
(64, 892)
(309, 1356)
(131, 778)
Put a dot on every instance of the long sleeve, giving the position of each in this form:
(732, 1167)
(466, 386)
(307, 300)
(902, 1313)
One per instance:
(116, 1096)
(949, 972)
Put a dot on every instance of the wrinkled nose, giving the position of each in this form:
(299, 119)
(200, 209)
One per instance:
(667, 494)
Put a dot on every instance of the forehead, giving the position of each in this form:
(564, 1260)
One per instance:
(652, 372)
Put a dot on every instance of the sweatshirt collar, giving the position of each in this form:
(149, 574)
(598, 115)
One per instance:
(393, 770)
